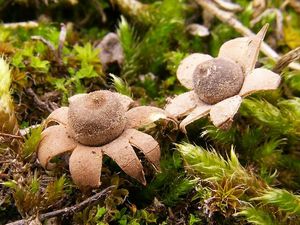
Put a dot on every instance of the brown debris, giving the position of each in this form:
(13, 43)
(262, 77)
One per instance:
(40, 104)
(286, 59)
(110, 51)
(258, 7)
(229, 6)
(232, 21)
(11, 136)
(197, 30)
(93, 200)
(295, 4)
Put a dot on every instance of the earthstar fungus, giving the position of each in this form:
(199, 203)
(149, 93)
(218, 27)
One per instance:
(218, 84)
(98, 123)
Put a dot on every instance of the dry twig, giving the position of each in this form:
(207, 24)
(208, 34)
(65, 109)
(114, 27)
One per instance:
(46, 42)
(28, 24)
(295, 4)
(68, 210)
(42, 105)
(100, 10)
(279, 20)
(11, 136)
(285, 60)
(62, 39)
(56, 52)
(229, 18)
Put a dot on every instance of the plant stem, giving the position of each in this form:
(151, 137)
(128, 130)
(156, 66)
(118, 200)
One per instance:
(229, 18)
(11, 136)
(68, 210)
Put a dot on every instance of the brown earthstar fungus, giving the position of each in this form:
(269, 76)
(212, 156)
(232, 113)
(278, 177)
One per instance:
(218, 84)
(98, 123)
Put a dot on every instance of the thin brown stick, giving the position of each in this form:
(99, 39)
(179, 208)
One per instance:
(62, 39)
(100, 10)
(295, 4)
(229, 18)
(42, 105)
(11, 136)
(285, 60)
(46, 42)
(93, 200)
(279, 20)
(27, 24)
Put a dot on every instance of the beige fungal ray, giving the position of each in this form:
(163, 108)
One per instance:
(55, 141)
(187, 66)
(146, 143)
(259, 80)
(59, 116)
(140, 116)
(245, 50)
(182, 104)
(85, 166)
(225, 110)
(126, 101)
(199, 112)
(124, 155)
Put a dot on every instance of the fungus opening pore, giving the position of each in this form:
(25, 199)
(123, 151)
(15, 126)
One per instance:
(96, 118)
(217, 79)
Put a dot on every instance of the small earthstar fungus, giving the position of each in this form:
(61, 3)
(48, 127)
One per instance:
(218, 84)
(98, 123)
